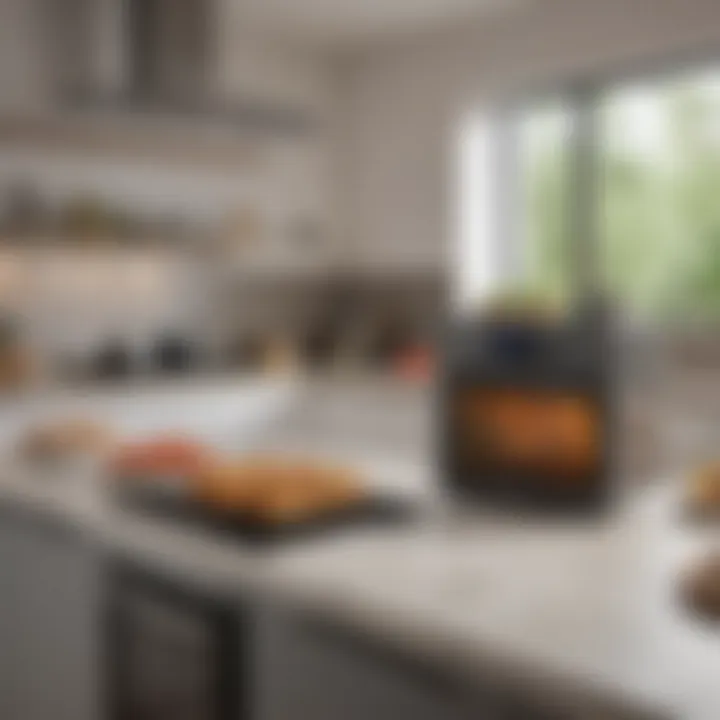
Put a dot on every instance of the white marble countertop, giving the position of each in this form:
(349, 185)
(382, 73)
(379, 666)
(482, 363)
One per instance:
(584, 610)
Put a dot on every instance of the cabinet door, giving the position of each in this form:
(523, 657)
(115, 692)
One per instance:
(308, 674)
(49, 623)
(9, 583)
(174, 651)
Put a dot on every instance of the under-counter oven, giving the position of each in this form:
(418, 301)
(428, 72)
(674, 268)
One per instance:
(173, 653)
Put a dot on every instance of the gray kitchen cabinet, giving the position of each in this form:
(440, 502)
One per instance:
(306, 673)
(49, 622)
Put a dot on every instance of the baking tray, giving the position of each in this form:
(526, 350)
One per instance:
(375, 511)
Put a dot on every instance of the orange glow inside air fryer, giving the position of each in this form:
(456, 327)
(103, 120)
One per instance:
(546, 432)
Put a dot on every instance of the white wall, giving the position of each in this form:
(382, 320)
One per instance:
(403, 101)
(251, 63)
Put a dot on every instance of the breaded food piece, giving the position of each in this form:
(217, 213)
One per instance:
(277, 490)
(704, 489)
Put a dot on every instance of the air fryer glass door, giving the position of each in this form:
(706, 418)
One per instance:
(523, 440)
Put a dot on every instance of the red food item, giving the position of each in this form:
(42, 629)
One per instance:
(416, 363)
(161, 456)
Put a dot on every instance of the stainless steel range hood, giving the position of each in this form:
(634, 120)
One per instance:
(152, 59)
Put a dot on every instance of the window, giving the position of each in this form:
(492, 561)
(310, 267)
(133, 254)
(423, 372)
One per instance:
(660, 232)
(513, 191)
(478, 263)
(545, 136)
(619, 184)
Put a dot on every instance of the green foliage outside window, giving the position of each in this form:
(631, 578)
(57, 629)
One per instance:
(659, 207)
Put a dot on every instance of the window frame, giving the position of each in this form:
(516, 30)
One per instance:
(584, 96)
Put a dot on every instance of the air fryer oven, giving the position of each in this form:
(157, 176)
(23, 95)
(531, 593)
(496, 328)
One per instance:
(527, 412)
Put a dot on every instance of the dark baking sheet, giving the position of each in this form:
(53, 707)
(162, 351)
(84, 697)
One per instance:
(376, 510)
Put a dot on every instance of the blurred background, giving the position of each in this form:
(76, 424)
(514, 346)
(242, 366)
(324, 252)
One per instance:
(212, 187)
(276, 266)
(168, 201)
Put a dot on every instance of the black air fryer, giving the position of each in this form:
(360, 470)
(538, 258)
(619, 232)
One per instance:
(527, 411)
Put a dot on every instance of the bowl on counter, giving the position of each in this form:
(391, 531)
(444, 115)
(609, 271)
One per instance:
(54, 448)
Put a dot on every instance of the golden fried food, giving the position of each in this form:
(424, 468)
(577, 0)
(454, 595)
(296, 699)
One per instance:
(704, 489)
(275, 490)
(224, 485)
